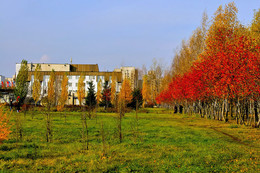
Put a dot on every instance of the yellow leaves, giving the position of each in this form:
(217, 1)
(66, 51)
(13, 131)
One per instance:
(113, 89)
(99, 91)
(81, 89)
(64, 93)
(146, 91)
(51, 88)
(36, 85)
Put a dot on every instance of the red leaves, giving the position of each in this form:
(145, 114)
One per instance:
(225, 70)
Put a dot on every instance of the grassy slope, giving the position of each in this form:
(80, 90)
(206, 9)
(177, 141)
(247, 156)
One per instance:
(165, 143)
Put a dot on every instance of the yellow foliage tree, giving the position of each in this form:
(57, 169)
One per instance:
(4, 126)
(64, 93)
(113, 90)
(146, 91)
(125, 94)
(51, 89)
(36, 84)
(255, 27)
(99, 91)
(191, 49)
(81, 88)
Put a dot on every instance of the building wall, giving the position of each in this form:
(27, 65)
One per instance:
(129, 73)
(2, 79)
(72, 84)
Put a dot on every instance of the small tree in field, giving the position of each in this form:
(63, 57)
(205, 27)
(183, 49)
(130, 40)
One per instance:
(4, 126)
(91, 103)
(36, 85)
(124, 98)
(50, 104)
(20, 93)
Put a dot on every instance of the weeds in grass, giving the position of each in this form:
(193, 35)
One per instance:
(84, 131)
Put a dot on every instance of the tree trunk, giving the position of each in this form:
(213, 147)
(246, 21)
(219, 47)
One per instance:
(227, 110)
(256, 113)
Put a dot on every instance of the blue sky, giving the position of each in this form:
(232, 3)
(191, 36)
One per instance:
(110, 33)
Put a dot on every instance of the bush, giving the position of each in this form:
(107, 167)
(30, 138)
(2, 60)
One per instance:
(4, 125)
(149, 105)
(109, 109)
(72, 108)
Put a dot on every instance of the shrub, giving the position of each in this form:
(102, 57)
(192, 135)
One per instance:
(4, 125)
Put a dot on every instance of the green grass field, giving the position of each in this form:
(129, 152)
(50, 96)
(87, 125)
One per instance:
(162, 142)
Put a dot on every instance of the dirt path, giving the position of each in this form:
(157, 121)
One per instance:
(216, 129)
(232, 137)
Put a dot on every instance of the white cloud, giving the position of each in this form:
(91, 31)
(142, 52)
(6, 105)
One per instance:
(45, 59)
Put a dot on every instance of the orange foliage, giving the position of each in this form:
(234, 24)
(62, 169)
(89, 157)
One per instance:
(125, 94)
(4, 126)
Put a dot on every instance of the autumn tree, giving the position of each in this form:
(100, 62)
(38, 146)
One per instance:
(21, 88)
(125, 94)
(255, 27)
(146, 91)
(113, 90)
(50, 103)
(36, 84)
(81, 88)
(51, 90)
(4, 125)
(225, 77)
(64, 92)
(106, 96)
(167, 77)
(124, 98)
(190, 50)
(99, 91)
(255, 34)
(154, 78)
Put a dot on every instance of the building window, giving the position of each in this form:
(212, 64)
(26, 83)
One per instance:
(70, 84)
(69, 77)
(76, 84)
(91, 77)
(77, 77)
(100, 78)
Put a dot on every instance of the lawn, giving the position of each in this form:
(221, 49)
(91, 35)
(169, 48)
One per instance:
(158, 141)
